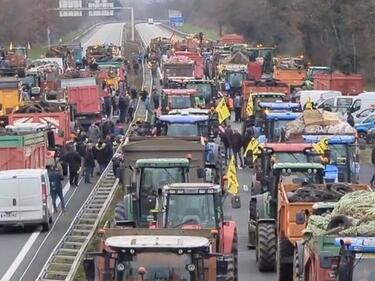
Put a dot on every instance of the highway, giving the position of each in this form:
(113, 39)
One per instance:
(24, 251)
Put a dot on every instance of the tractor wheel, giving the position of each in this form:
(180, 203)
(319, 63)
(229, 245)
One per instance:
(235, 255)
(285, 250)
(297, 276)
(267, 247)
(120, 212)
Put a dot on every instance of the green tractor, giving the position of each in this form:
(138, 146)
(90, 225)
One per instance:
(144, 194)
(263, 209)
(313, 70)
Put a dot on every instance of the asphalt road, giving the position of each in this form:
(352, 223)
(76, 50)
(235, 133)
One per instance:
(25, 251)
(150, 31)
(105, 34)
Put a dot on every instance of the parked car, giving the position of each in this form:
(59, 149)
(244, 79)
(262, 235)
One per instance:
(25, 198)
(363, 114)
(364, 126)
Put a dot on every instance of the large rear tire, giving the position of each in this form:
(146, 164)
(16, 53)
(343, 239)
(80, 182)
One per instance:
(266, 247)
(285, 251)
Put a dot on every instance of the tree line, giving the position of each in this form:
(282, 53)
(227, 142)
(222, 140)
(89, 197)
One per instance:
(338, 33)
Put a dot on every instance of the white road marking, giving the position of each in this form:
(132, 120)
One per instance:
(21, 255)
(26, 248)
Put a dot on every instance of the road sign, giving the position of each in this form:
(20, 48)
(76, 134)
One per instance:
(176, 21)
(70, 4)
(174, 13)
(102, 5)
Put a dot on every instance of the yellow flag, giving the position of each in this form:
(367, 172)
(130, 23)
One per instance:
(309, 104)
(321, 146)
(255, 146)
(222, 110)
(233, 185)
(250, 107)
(11, 46)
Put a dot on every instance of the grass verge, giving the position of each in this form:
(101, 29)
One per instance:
(210, 33)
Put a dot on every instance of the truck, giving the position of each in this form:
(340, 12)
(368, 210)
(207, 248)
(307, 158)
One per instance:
(311, 72)
(230, 39)
(296, 204)
(177, 67)
(26, 146)
(10, 96)
(158, 254)
(198, 60)
(347, 84)
(84, 98)
(199, 206)
(56, 118)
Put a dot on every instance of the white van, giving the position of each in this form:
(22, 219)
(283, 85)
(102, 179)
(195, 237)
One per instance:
(25, 198)
(317, 96)
(340, 104)
(363, 101)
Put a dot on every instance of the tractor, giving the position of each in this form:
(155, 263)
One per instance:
(263, 208)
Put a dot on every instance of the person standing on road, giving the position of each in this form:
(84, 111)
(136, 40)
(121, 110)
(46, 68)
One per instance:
(132, 106)
(236, 146)
(227, 140)
(55, 179)
(94, 133)
(74, 162)
(155, 98)
(123, 106)
(101, 155)
(238, 102)
(89, 163)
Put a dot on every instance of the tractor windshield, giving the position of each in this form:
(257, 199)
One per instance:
(275, 129)
(191, 209)
(159, 266)
(289, 157)
(235, 79)
(364, 269)
(154, 178)
(300, 177)
(339, 153)
(180, 102)
(186, 130)
(203, 90)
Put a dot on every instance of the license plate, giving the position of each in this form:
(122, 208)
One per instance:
(8, 215)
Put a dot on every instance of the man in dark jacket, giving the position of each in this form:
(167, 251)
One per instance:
(101, 152)
(55, 179)
(123, 106)
(89, 163)
(236, 146)
(227, 141)
(74, 162)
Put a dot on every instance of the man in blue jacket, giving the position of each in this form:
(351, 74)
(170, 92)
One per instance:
(55, 179)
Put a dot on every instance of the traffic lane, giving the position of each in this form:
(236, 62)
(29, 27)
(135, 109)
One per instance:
(151, 31)
(106, 34)
(46, 242)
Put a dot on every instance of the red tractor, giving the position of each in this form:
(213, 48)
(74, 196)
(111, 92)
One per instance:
(199, 206)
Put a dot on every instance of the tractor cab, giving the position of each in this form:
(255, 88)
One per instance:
(182, 125)
(149, 177)
(177, 99)
(274, 126)
(298, 173)
(192, 206)
(311, 72)
(342, 153)
(156, 256)
(234, 75)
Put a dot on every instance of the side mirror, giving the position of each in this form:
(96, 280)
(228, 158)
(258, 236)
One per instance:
(236, 202)
(51, 139)
(200, 173)
(249, 160)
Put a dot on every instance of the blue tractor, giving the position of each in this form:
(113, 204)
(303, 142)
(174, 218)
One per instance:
(274, 126)
(192, 126)
(343, 155)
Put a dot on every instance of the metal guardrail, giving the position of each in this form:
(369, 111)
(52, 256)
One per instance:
(65, 259)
